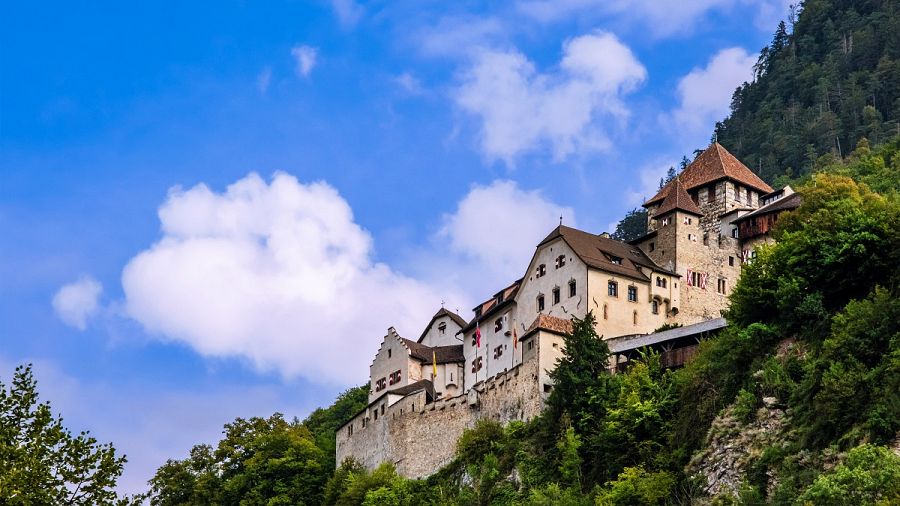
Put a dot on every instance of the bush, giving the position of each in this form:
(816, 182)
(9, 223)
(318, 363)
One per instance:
(870, 475)
(637, 486)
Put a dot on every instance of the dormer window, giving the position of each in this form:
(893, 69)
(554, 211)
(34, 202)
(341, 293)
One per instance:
(614, 259)
(560, 261)
(541, 270)
(442, 328)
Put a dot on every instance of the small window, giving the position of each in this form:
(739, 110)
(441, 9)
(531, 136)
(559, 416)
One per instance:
(530, 345)
(749, 197)
(560, 261)
(442, 328)
(687, 220)
(737, 193)
(572, 289)
(389, 353)
(705, 239)
(382, 409)
(605, 312)
(721, 286)
(498, 324)
(616, 260)
(547, 388)
(731, 261)
(612, 289)
(734, 232)
(652, 246)
(665, 222)
(498, 351)
(451, 377)
(540, 303)
(711, 194)
(556, 295)
(541, 270)
(632, 294)
(654, 306)
(634, 317)
(376, 414)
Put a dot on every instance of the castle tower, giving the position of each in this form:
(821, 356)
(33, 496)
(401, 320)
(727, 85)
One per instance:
(691, 230)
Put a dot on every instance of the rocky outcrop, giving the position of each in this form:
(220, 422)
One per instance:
(732, 445)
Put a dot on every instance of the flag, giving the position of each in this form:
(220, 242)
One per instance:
(433, 364)
(478, 336)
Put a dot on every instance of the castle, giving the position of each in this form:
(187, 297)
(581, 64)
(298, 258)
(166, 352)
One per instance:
(702, 227)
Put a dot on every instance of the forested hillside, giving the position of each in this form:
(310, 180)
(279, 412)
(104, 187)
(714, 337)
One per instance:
(830, 76)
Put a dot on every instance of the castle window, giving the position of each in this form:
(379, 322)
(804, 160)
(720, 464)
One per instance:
(615, 260)
(749, 197)
(731, 261)
(572, 290)
(547, 388)
(389, 353)
(560, 261)
(665, 222)
(498, 324)
(476, 364)
(654, 306)
(350, 430)
(556, 295)
(376, 414)
(652, 246)
(688, 221)
(380, 385)
(734, 232)
(711, 194)
(382, 409)
(634, 317)
(721, 286)
(498, 351)
(691, 237)
(541, 270)
(661, 282)
(394, 378)
(705, 239)
(737, 193)
(605, 312)
(442, 328)
(612, 289)
(540, 303)
(632, 294)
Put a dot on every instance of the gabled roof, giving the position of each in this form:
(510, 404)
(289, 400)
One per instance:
(548, 323)
(413, 388)
(599, 251)
(712, 165)
(788, 203)
(440, 354)
(678, 200)
(443, 312)
(499, 300)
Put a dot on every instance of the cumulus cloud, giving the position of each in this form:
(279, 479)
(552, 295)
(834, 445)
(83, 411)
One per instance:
(348, 12)
(278, 273)
(704, 95)
(76, 302)
(521, 109)
(306, 59)
(489, 239)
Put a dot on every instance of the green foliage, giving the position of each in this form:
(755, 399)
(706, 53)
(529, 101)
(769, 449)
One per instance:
(637, 486)
(632, 226)
(820, 87)
(259, 461)
(324, 422)
(745, 406)
(41, 462)
(554, 495)
(870, 475)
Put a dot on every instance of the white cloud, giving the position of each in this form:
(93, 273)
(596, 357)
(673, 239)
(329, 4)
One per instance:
(348, 12)
(522, 109)
(278, 273)
(648, 178)
(489, 239)
(306, 59)
(264, 79)
(705, 93)
(458, 36)
(76, 302)
(409, 83)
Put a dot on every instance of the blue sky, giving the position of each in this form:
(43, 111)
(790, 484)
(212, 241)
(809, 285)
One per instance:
(215, 210)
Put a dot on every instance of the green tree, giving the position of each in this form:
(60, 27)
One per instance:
(42, 462)
(632, 226)
(870, 475)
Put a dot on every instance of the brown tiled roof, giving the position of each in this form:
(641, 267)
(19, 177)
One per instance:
(597, 251)
(712, 165)
(549, 323)
(442, 354)
(678, 199)
(443, 312)
(788, 203)
(414, 387)
(500, 299)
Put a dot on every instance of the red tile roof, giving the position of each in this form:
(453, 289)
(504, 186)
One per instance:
(712, 165)
(441, 354)
(678, 199)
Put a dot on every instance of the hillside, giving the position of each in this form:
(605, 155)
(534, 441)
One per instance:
(828, 78)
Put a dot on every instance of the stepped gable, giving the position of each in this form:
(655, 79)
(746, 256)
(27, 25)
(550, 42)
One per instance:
(712, 165)
(548, 323)
(441, 354)
(678, 199)
(443, 312)
(598, 251)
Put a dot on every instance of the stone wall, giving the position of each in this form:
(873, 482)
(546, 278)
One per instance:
(420, 438)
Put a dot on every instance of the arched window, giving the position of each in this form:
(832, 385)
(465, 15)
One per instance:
(634, 316)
